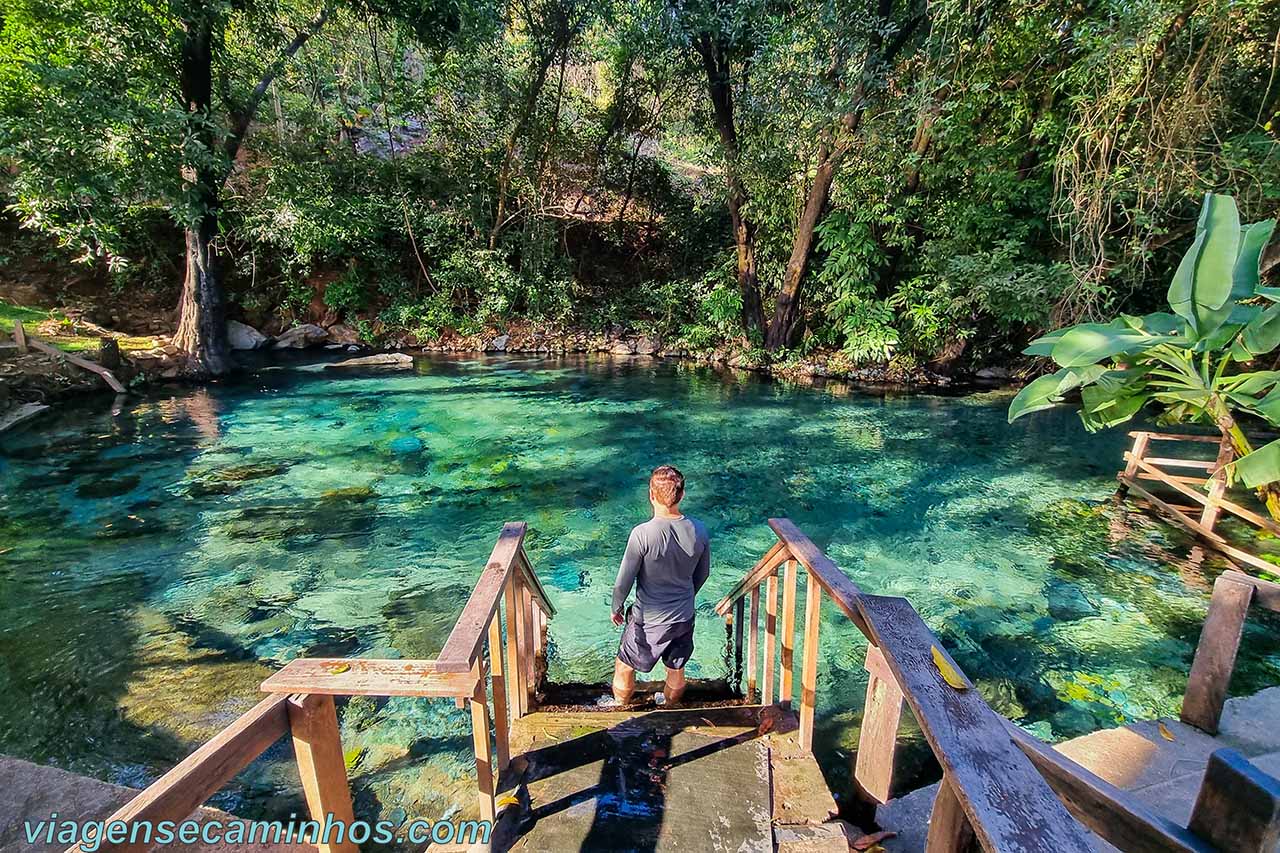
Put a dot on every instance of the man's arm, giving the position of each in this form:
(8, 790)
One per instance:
(632, 560)
(703, 570)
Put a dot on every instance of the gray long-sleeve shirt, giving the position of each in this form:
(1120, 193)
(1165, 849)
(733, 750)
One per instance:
(667, 560)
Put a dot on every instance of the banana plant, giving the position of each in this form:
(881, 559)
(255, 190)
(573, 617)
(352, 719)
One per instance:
(1196, 363)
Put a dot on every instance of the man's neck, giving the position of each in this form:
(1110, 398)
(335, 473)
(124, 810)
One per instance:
(672, 513)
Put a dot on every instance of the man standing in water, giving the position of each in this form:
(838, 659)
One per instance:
(668, 559)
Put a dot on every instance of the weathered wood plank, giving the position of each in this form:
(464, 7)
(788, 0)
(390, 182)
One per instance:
(1238, 807)
(501, 720)
(367, 677)
(485, 781)
(527, 654)
(20, 337)
(519, 691)
(469, 632)
(949, 827)
(787, 662)
(878, 737)
(1204, 499)
(1117, 816)
(770, 637)
(1170, 436)
(317, 749)
(1215, 658)
(1217, 485)
(835, 583)
(1140, 442)
(1007, 802)
(768, 565)
(753, 642)
(178, 793)
(809, 665)
(1174, 462)
(538, 591)
(82, 363)
(739, 636)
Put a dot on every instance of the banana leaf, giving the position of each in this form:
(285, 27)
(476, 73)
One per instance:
(1201, 287)
(1260, 467)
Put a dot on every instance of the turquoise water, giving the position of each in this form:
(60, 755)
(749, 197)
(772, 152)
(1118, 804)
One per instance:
(158, 560)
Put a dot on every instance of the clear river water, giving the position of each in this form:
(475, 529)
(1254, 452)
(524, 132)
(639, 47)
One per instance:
(160, 557)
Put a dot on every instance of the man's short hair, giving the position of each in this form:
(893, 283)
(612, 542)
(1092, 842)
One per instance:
(667, 485)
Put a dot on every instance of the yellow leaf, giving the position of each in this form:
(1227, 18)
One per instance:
(508, 800)
(338, 668)
(950, 674)
(1164, 730)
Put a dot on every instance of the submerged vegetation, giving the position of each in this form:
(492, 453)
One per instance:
(897, 181)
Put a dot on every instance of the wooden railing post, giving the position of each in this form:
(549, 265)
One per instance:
(20, 337)
(788, 632)
(317, 745)
(753, 649)
(949, 827)
(1216, 653)
(878, 738)
(1139, 450)
(739, 624)
(809, 668)
(497, 674)
(483, 749)
(526, 644)
(770, 635)
(519, 693)
(1238, 807)
(1217, 485)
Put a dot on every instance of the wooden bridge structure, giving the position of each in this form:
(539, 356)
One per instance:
(742, 775)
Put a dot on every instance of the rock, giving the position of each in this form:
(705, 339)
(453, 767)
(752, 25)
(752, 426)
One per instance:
(384, 359)
(300, 337)
(646, 345)
(623, 348)
(406, 444)
(340, 333)
(992, 373)
(1067, 602)
(353, 348)
(245, 337)
(499, 344)
(21, 415)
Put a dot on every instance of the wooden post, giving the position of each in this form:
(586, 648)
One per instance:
(788, 632)
(20, 337)
(770, 633)
(809, 669)
(519, 693)
(313, 722)
(539, 629)
(739, 620)
(753, 645)
(109, 352)
(1216, 654)
(500, 719)
(484, 751)
(1139, 450)
(949, 828)
(1217, 485)
(1238, 807)
(526, 644)
(878, 737)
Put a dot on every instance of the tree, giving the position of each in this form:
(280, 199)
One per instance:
(1187, 362)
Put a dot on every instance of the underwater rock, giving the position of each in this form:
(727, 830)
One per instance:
(108, 487)
(244, 337)
(406, 444)
(349, 494)
(385, 359)
(301, 337)
(1067, 602)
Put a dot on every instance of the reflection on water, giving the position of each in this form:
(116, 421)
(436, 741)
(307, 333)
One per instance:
(157, 561)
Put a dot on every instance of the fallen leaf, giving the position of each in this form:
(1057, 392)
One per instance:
(950, 674)
(875, 848)
(508, 800)
(338, 668)
(1164, 731)
(872, 841)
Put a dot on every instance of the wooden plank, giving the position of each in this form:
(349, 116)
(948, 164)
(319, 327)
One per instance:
(1217, 486)
(1186, 481)
(753, 642)
(82, 363)
(1169, 436)
(501, 721)
(519, 692)
(1007, 802)
(485, 782)
(178, 793)
(539, 592)
(878, 737)
(1266, 593)
(787, 663)
(463, 645)
(1173, 462)
(770, 636)
(317, 748)
(1238, 807)
(809, 665)
(1215, 658)
(1140, 441)
(527, 654)
(1116, 815)
(768, 565)
(739, 635)
(835, 583)
(949, 827)
(1229, 506)
(367, 677)
(20, 337)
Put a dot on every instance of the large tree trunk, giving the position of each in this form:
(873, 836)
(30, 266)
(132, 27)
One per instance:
(715, 61)
(202, 320)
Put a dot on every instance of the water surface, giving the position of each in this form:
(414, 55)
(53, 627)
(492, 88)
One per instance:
(158, 559)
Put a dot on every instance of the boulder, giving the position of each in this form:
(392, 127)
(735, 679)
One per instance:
(646, 345)
(301, 337)
(340, 333)
(992, 373)
(623, 348)
(245, 337)
(499, 344)
(1067, 602)
(385, 359)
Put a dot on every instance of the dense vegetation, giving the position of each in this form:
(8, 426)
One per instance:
(894, 180)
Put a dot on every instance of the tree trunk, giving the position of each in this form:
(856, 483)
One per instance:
(1269, 494)
(202, 313)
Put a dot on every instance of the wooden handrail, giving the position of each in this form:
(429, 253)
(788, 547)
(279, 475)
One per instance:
(367, 677)
(834, 582)
(462, 648)
(767, 565)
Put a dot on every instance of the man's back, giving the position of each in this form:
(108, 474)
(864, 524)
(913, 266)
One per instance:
(669, 560)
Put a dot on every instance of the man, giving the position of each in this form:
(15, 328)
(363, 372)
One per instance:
(668, 559)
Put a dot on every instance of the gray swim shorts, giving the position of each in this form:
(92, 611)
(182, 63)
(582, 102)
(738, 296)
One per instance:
(642, 646)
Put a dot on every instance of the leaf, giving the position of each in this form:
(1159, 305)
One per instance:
(1044, 344)
(1202, 284)
(1260, 467)
(1046, 391)
(1253, 241)
(1090, 343)
(337, 668)
(1262, 335)
(507, 800)
(1164, 731)
(950, 674)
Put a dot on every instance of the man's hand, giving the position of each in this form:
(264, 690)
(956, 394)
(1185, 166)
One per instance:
(617, 619)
